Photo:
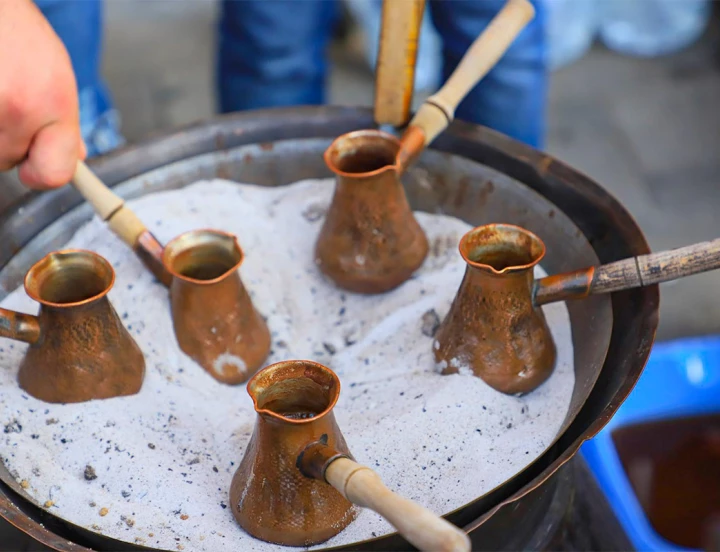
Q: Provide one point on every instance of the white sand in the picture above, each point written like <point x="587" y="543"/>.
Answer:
<point x="164" y="458"/>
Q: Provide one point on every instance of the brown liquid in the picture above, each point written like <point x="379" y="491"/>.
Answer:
<point x="674" y="468"/>
<point x="500" y="259"/>
<point x="365" y="160"/>
<point x="298" y="415"/>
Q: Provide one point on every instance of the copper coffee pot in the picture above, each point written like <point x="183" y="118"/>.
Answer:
<point x="297" y="482"/>
<point x="370" y="241"/>
<point x="495" y="325"/>
<point x="79" y="349"/>
<point x="215" y="321"/>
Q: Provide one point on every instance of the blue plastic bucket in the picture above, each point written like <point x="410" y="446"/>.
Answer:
<point x="682" y="378"/>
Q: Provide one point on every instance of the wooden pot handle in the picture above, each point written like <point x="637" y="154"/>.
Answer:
<point x="635" y="272"/>
<point x="110" y="207"/>
<point x="439" y="109"/>
<point x="397" y="57"/>
<point x="420" y="527"/>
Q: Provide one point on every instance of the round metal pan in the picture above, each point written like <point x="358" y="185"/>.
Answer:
<point x="472" y="173"/>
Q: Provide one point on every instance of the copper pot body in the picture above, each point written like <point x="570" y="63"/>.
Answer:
<point x="215" y="321"/>
<point x="493" y="326"/>
<point x="370" y="241"/>
<point x="271" y="498"/>
<point x="79" y="349"/>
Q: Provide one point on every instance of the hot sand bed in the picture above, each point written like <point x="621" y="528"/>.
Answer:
<point x="155" y="468"/>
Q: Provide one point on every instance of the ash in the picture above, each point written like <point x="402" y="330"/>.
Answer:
<point x="162" y="461"/>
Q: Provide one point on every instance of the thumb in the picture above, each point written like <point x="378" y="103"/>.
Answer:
<point x="52" y="157"/>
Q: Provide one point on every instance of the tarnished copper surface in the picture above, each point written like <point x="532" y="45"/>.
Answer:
<point x="79" y="350"/>
<point x="493" y="325"/>
<point x="215" y="321"/>
<point x="460" y="175"/>
<point x="150" y="252"/>
<point x="559" y="287"/>
<point x="370" y="241"/>
<point x="270" y="497"/>
<point x="412" y="144"/>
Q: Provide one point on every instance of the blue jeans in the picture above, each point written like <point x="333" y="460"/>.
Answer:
<point x="78" y="23"/>
<point x="272" y="53"/>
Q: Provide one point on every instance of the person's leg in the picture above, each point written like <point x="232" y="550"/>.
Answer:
<point x="511" y="98"/>
<point x="78" y="23"/>
<point x="272" y="53"/>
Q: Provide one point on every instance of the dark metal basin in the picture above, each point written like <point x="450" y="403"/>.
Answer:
<point x="472" y="173"/>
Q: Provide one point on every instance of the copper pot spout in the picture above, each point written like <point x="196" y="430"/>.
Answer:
<point x="370" y="241"/>
<point x="297" y="482"/>
<point x="78" y="348"/>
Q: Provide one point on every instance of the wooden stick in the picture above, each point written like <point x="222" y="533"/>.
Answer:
<point x="438" y="110"/>
<point x="423" y="529"/>
<point x="631" y="273"/>
<point x="397" y="58"/>
<point x="656" y="268"/>
<point x="110" y="207"/>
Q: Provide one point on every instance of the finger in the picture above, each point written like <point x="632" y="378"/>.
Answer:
<point x="8" y="162"/>
<point x="52" y="157"/>
<point x="13" y="150"/>
<point x="83" y="150"/>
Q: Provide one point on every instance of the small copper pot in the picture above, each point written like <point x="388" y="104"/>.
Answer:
<point x="370" y="241"/>
<point x="493" y="325"/>
<point x="213" y="315"/>
<point x="79" y="350"/>
<point x="297" y="483"/>
<point x="271" y="498"/>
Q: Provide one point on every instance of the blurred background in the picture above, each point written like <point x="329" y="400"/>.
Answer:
<point x="633" y="104"/>
<point x="645" y="127"/>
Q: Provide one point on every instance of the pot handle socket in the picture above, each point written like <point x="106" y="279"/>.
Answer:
<point x="438" y="110"/>
<point x="19" y="326"/>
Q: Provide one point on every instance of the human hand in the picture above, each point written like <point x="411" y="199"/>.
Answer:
<point x="39" y="113"/>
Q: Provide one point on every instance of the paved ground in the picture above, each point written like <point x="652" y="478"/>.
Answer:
<point x="649" y="131"/>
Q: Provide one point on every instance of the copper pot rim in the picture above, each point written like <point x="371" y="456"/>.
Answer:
<point x="279" y="366"/>
<point x="62" y="252"/>
<point x="175" y="274"/>
<point x="508" y="269"/>
<point x="376" y="133"/>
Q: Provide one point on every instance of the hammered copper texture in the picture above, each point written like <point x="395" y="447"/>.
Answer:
<point x="83" y="351"/>
<point x="270" y="498"/>
<point x="370" y="241"/>
<point x="215" y="321"/>
<point x="460" y="176"/>
<point x="493" y="325"/>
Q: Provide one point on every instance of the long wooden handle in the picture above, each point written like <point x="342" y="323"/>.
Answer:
<point x="656" y="268"/>
<point x="423" y="529"/>
<point x="397" y="59"/>
<point x="439" y="109"/>
<point x="20" y="326"/>
<point x="631" y="273"/>
<point x="110" y="207"/>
